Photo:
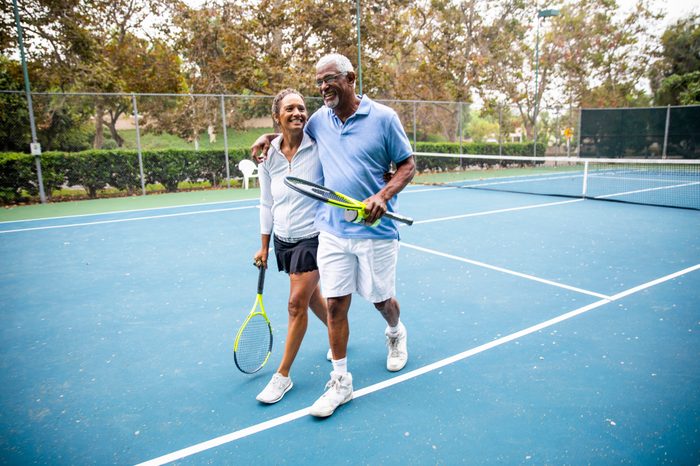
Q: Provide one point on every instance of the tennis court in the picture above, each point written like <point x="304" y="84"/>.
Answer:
<point x="542" y="330"/>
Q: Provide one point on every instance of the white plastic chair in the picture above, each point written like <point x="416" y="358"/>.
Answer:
<point x="249" y="170"/>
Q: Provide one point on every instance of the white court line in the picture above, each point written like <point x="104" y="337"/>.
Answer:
<point x="150" y="217"/>
<point x="97" y="214"/>
<point x="257" y="428"/>
<point x="498" y="211"/>
<point x="507" y="271"/>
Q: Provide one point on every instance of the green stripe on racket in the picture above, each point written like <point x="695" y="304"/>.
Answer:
<point x="253" y="344"/>
<point x="354" y="209"/>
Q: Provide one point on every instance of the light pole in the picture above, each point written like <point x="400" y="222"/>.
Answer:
<point x="359" y="54"/>
<point x="540" y="14"/>
<point x="35" y="147"/>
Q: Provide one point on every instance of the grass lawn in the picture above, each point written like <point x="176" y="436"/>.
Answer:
<point x="236" y="138"/>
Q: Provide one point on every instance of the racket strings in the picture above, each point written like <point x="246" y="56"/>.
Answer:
<point x="254" y="344"/>
<point x="330" y="195"/>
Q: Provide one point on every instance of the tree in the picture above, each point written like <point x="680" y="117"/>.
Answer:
<point x="675" y="77"/>
<point x="602" y="55"/>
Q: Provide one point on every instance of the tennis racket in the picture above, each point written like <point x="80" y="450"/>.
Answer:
<point x="354" y="209"/>
<point x="253" y="344"/>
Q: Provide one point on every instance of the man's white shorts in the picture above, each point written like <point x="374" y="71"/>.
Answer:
<point x="365" y="266"/>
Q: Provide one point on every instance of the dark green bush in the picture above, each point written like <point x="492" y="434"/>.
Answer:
<point x="424" y="163"/>
<point x="95" y="170"/>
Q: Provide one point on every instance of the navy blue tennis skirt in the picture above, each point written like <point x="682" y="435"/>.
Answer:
<point x="296" y="257"/>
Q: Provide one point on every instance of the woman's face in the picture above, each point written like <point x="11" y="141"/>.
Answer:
<point x="292" y="116"/>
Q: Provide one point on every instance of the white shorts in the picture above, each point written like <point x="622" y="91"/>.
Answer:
<point x="365" y="266"/>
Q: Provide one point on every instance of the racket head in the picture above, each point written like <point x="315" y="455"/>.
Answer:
<point x="253" y="344"/>
<point x="323" y="194"/>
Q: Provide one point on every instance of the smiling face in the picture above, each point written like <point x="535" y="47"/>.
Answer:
<point x="292" y="113"/>
<point x="336" y="88"/>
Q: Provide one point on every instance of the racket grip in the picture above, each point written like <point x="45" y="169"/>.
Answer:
<point x="399" y="218"/>
<point x="261" y="279"/>
<point x="355" y="216"/>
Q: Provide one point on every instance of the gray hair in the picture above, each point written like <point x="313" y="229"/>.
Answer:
<point x="340" y="61"/>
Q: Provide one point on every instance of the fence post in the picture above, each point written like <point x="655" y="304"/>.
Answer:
<point x="415" y="146"/>
<point x="138" y="142"/>
<point x="500" y="129"/>
<point x="223" y="122"/>
<point x="668" y="121"/>
<point x="580" y="138"/>
<point x="459" y="127"/>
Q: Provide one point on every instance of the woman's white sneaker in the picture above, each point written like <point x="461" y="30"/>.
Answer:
<point x="275" y="389"/>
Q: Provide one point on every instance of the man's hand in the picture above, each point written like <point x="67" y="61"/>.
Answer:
<point x="375" y="208"/>
<point x="258" y="151"/>
<point x="397" y="180"/>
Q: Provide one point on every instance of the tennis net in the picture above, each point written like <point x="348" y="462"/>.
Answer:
<point x="661" y="182"/>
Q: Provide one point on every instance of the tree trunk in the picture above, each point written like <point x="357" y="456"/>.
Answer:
<point x="98" y="141"/>
<point x="115" y="135"/>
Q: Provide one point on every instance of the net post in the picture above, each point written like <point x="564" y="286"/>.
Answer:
<point x="225" y="130"/>
<point x="585" y="179"/>
<point x="138" y="142"/>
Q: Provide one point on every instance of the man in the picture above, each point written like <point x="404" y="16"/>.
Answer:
<point x="357" y="140"/>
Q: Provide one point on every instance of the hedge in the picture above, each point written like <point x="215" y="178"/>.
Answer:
<point x="427" y="163"/>
<point x="95" y="170"/>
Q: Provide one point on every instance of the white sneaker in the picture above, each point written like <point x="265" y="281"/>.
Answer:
<point x="338" y="392"/>
<point x="275" y="389"/>
<point x="329" y="355"/>
<point x="398" y="349"/>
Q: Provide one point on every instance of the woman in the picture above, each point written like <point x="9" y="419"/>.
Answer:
<point x="291" y="216"/>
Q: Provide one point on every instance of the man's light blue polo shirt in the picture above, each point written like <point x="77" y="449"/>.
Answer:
<point x="354" y="156"/>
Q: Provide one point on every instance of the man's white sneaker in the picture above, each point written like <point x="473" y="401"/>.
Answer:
<point x="398" y="349"/>
<point x="338" y="392"/>
<point x="275" y="389"/>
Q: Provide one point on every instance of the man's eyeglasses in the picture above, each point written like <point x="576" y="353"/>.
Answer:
<point x="329" y="79"/>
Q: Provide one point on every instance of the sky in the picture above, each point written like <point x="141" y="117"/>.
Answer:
<point x="674" y="9"/>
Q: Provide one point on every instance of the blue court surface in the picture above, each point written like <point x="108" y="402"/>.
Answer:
<point x="541" y="330"/>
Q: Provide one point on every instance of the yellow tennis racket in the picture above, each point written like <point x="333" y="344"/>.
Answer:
<point x="354" y="209"/>
<point x="253" y="344"/>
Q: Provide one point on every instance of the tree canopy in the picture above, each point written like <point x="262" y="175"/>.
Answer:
<point x="591" y="54"/>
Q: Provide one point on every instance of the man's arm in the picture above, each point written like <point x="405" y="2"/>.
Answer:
<point x="376" y="204"/>
<point x="258" y="151"/>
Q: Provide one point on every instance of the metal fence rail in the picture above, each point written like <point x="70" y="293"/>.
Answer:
<point x="78" y="121"/>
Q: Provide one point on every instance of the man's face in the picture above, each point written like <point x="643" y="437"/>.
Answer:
<point x="335" y="87"/>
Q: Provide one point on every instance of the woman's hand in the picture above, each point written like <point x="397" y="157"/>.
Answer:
<point x="260" y="258"/>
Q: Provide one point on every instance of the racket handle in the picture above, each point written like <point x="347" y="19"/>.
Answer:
<point x="354" y="216"/>
<point x="399" y="218"/>
<point x="261" y="279"/>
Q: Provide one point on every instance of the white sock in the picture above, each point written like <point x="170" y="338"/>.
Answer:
<point x="394" y="331"/>
<point x="340" y="366"/>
